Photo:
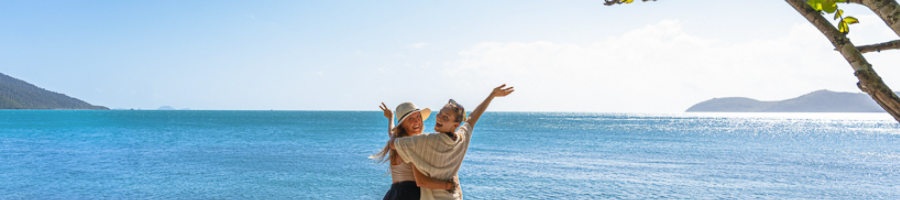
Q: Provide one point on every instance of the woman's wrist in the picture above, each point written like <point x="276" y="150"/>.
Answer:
<point x="451" y="185"/>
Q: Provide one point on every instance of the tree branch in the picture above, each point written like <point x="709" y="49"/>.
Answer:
<point x="879" y="47"/>
<point x="887" y="10"/>
<point x="838" y="39"/>
<point x="869" y="81"/>
<point x="614" y="2"/>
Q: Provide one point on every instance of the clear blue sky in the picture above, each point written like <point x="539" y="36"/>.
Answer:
<point x="351" y="55"/>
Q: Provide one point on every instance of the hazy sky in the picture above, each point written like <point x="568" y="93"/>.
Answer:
<point x="659" y="56"/>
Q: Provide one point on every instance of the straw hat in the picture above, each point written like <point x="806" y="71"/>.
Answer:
<point x="406" y="109"/>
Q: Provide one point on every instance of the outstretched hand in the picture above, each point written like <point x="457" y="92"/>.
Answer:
<point x="387" y="112"/>
<point x="497" y="92"/>
<point x="502" y="92"/>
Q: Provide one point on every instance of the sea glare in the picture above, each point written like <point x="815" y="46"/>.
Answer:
<point x="123" y="154"/>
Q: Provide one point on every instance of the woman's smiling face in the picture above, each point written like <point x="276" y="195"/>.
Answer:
<point x="445" y="121"/>
<point x="413" y="124"/>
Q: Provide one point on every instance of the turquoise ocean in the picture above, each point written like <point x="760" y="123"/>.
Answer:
<point x="123" y="154"/>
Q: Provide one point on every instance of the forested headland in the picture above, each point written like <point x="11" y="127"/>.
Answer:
<point x="818" y="101"/>
<point x="18" y="94"/>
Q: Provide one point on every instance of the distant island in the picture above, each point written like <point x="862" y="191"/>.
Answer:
<point x="171" y="108"/>
<point x="18" y="94"/>
<point x="818" y="101"/>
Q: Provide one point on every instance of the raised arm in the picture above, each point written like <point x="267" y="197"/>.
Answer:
<point x="497" y="92"/>
<point x="390" y="115"/>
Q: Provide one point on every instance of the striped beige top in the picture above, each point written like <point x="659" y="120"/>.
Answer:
<point x="436" y="156"/>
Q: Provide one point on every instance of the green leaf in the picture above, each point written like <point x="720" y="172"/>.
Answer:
<point x="850" y="20"/>
<point x="840" y="1"/>
<point x="838" y="14"/>
<point x="815" y="4"/>
<point x="829" y="6"/>
<point x="843" y="28"/>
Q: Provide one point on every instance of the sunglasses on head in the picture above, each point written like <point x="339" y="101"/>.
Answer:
<point x="458" y="108"/>
<point x="455" y="106"/>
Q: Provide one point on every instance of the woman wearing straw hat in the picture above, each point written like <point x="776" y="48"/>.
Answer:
<point x="406" y="179"/>
<point x="439" y="155"/>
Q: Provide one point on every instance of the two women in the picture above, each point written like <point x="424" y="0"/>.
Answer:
<point x="437" y="156"/>
<point x="406" y="179"/>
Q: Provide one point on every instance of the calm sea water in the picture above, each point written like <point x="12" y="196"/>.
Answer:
<point x="63" y="154"/>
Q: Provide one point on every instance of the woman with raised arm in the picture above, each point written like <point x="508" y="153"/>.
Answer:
<point x="439" y="155"/>
<point x="406" y="183"/>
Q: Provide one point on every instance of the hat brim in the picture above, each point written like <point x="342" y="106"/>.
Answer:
<point x="426" y="112"/>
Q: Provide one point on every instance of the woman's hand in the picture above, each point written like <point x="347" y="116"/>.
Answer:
<point x="390" y="115"/>
<point x="454" y="185"/>
<point x="387" y="112"/>
<point x="502" y="92"/>
<point x="497" y="92"/>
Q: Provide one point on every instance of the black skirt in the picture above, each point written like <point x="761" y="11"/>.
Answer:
<point x="403" y="191"/>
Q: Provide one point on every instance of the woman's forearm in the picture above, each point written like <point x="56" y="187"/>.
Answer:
<point x="497" y="92"/>
<point x="473" y="117"/>
<point x="390" y="126"/>
<point x="389" y="115"/>
<point x="428" y="182"/>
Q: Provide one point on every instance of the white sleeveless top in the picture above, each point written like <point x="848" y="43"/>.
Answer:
<point x="402" y="172"/>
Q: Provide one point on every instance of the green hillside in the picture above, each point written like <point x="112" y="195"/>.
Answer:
<point x="18" y="94"/>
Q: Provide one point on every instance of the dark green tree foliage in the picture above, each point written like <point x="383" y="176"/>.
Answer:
<point x="18" y="94"/>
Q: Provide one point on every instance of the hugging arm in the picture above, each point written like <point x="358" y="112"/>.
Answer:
<point x="497" y="92"/>
<point x="427" y="182"/>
